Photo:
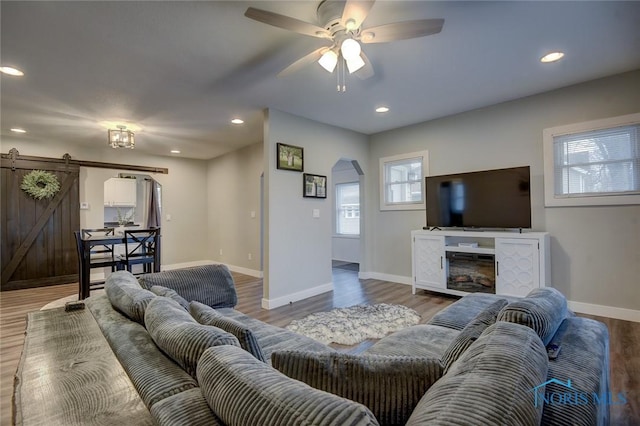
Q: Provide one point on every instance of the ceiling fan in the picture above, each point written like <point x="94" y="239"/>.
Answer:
<point x="340" y="23"/>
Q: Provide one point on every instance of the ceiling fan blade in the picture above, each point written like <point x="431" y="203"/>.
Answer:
<point x="401" y="30"/>
<point x="357" y="11"/>
<point x="303" y="62"/>
<point x="367" y="70"/>
<point x="286" y="22"/>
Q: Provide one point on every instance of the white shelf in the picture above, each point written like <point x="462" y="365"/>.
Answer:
<point x="478" y="250"/>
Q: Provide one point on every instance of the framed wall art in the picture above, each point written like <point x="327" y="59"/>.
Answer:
<point x="289" y="157"/>
<point x="314" y="186"/>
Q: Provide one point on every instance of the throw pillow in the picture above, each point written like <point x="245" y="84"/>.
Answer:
<point x="209" y="316"/>
<point x="542" y="310"/>
<point x="179" y="335"/>
<point x="126" y="295"/>
<point x="471" y="332"/>
<point x="171" y="294"/>
<point x="491" y="384"/>
<point x="243" y="391"/>
<point x="390" y="386"/>
<point x="209" y="284"/>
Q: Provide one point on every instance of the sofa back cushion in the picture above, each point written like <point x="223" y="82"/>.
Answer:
<point x="471" y="332"/>
<point x="244" y="391"/>
<point x="209" y="316"/>
<point x="209" y="284"/>
<point x="491" y="383"/>
<point x="179" y="335"/>
<point x="542" y="310"/>
<point x="390" y="386"/>
<point x="159" y="290"/>
<point x="127" y="296"/>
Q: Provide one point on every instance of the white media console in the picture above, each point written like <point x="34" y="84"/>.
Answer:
<point x="458" y="262"/>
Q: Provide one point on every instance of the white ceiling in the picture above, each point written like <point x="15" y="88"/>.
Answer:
<point x="181" y="70"/>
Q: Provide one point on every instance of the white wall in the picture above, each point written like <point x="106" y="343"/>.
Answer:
<point x="184" y="192"/>
<point x="298" y="246"/>
<point x="233" y="190"/>
<point x="595" y="251"/>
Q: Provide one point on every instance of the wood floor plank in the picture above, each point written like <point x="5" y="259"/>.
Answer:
<point x="348" y="291"/>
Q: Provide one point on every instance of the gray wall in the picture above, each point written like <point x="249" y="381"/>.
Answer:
<point x="595" y="251"/>
<point x="233" y="194"/>
<point x="298" y="246"/>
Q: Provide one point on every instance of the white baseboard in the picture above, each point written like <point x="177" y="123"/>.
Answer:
<point x="400" y="279"/>
<point x="294" y="297"/>
<point x="605" y="311"/>
<point x="580" y="307"/>
<point x="187" y="265"/>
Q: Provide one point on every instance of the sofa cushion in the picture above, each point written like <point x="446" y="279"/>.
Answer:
<point x="471" y="332"/>
<point x="272" y="338"/>
<point x="491" y="383"/>
<point x="542" y="310"/>
<point x="423" y="340"/>
<point x="243" y="391"/>
<point x="209" y="316"/>
<point x="154" y="375"/>
<point x="459" y="314"/>
<point x="584" y="360"/>
<point x="209" y="284"/>
<point x="159" y="290"/>
<point x="185" y="408"/>
<point x="179" y="335"/>
<point x="126" y="295"/>
<point x="359" y="378"/>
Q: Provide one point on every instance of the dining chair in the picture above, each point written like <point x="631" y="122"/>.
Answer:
<point x="102" y="255"/>
<point x="140" y="248"/>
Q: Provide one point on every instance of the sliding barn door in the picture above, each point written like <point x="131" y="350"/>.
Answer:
<point x="38" y="245"/>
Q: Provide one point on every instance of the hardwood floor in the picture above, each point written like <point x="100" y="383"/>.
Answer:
<point x="624" y="335"/>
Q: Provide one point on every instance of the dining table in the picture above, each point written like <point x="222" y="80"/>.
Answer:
<point x="85" y="265"/>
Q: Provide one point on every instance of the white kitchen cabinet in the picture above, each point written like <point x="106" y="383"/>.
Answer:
<point x="120" y="192"/>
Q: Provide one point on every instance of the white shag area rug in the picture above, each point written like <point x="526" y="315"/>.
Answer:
<point x="348" y="326"/>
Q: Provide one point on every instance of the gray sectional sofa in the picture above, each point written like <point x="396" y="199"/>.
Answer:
<point x="194" y="360"/>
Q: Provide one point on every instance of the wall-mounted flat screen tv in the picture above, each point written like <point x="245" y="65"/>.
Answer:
<point x="487" y="199"/>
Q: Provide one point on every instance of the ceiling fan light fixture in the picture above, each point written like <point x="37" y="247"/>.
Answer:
<point x="350" y="49"/>
<point x="329" y="60"/>
<point x="354" y="64"/>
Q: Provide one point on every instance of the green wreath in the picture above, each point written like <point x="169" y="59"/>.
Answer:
<point x="40" y="184"/>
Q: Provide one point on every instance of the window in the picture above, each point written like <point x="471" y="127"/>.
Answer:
<point x="593" y="163"/>
<point x="348" y="208"/>
<point x="402" y="181"/>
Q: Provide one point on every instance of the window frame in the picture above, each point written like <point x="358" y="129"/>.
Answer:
<point x="338" y="210"/>
<point x="412" y="205"/>
<point x="611" y="199"/>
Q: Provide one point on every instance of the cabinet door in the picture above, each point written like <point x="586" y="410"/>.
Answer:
<point x="517" y="266"/>
<point x="120" y="192"/>
<point x="429" y="261"/>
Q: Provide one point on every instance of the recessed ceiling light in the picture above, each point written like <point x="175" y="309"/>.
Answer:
<point x="237" y="121"/>
<point x="11" y="71"/>
<point x="175" y="151"/>
<point x="552" y="57"/>
<point x="18" y="130"/>
<point x="382" y="109"/>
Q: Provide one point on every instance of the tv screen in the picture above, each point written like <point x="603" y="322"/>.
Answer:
<point x="486" y="199"/>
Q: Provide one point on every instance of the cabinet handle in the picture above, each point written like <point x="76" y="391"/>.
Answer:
<point x="498" y="268"/>
<point x="441" y="263"/>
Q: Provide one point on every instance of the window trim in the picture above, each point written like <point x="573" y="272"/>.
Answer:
<point x="425" y="172"/>
<point x="337" y="210"/>
<point x="550" y="199"/>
